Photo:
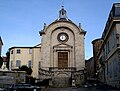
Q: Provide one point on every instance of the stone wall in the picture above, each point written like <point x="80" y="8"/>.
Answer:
<point x="8" y="78"/>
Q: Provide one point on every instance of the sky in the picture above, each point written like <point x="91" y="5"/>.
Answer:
<point x="21" y="20"/>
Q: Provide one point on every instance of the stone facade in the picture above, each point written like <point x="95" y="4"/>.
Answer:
<point x="96" y="48"/>
<point x="89" y="64"/>
<point x="62" y="52"/>
<point x="50" y="45"/>
<point x="8" y="78"/>
<point x="109" y="53"/>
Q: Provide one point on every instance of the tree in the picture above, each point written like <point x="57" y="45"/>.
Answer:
<point x="29" y="79"/>
<point x="7" y="59"/>
<point x="1" y="61"/>
<point x="27" y="69"/>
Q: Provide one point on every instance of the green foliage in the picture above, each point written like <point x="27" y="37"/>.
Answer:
<point x="1" y="61"/>
<point x="25" y="68"/>
<point x="7" y="59"/>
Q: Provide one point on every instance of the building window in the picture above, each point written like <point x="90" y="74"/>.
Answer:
<point x="39" y="65"/>
<point x="110" y="70"/>
<point x="18" y="63"/>
<point x="18" y="51"/>
<point x="115" y="68"/>
<point x="30" y="51"/>
<point x="30" y="64"/>
<point x="11" y="51"/>
<point x="113" y="38"/>
<point x="107" y="47"/>
<point x="11" y="64"/>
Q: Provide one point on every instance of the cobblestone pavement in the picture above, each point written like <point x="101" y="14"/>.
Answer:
<point x="75" y="89"/>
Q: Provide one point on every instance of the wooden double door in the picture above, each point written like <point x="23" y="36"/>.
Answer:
<point x="62" y="59"/>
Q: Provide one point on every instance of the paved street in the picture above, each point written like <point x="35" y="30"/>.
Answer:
<point x="77" y="89"/>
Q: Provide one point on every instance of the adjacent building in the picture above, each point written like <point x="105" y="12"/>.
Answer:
<point x="4" y="64"/>
<point x="89" y="64"/>
<point x="109" y="53"/>
<point x="96" y="48"/>
<point x="29" y="56"/>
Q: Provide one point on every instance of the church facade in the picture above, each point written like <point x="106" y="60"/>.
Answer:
<point x="62" y="52"/>
<point x="60" y="58"/>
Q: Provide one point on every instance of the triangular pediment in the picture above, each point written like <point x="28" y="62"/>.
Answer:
<point x="62" y="45"/>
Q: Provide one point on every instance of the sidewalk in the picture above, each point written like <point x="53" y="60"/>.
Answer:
<point x="63" y="89"/>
